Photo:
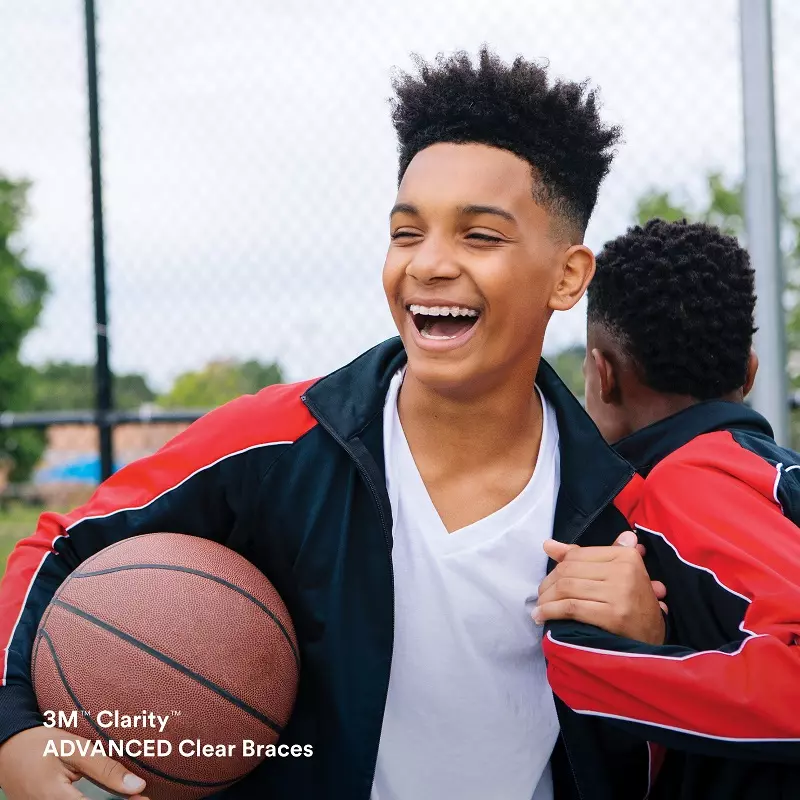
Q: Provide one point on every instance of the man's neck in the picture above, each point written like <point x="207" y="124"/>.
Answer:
<point x="657" y="406"/>
<point x="466" y="433"/>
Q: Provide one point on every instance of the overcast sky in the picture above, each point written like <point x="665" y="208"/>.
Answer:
<point x="250" y="162"/>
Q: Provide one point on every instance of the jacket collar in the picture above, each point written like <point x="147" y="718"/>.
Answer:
<point x="592" y="473"/>
<point x="348" y="399"/>
<point x="646" y="447"/>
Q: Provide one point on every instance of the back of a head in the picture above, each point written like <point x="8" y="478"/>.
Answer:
<point x="680" y="298"/>
<point x="555" y="126"/>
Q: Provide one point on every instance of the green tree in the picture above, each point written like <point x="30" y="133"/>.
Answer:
<point x="22" y="294"/>
<point x="62" y="385"/>
<point x="723" y="206"/>
<point x="219" y="382"/>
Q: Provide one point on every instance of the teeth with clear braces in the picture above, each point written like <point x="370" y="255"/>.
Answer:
<point x="443" y="311"/>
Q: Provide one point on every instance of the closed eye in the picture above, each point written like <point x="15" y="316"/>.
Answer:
<point x="404" y="235"/>
<point x="484" y="237"/>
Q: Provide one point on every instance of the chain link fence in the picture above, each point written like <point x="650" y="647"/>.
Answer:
<point x="249" y="164"/>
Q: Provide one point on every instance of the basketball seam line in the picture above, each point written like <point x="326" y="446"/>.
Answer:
<point x="88" y="717"/>
<point x="45" y="616"/>
<point x="261" y="717"/>
<point x="190" y="570"/>
<point x="99" y="553"/>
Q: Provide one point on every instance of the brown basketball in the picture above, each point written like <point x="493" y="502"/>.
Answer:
<point x="175" y="626"/>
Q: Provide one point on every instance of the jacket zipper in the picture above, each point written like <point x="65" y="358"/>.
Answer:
<point x="571" y="768"/>
<point x="387" y="538"/>
<point x="589" y="520"/>
<point x="386" y="533"/>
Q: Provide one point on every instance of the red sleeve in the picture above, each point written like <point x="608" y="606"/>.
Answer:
<point x="715" y="505"/>
<point x="197" y="484"/>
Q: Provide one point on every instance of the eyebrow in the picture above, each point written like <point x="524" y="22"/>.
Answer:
<point x="404" y="208"/>
<point x="471" y="210"/>
<point x="495" y="210"/>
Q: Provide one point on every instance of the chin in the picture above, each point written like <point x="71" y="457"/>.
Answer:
<point x="443" y="375"/>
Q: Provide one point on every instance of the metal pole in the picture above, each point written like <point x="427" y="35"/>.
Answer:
<point x="104" y="398"/>
<point x="762" y="213"/>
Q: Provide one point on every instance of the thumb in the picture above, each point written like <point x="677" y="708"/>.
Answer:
<point x="557" y="550"/>
<point x="107" y="773"/>
<point x="627" y="539"/>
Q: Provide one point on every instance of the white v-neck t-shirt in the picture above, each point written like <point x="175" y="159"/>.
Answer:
<point x="469" y="713"/>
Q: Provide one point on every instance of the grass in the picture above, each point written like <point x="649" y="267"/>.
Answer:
<point x="16" y="522"/>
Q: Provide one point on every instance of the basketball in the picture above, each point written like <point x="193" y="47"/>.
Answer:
<point x="173" y="655"/>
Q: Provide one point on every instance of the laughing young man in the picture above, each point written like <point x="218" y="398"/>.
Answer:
<point x="400" y="504"/>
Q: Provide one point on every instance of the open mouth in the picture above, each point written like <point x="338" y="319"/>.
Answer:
<point x="443" y="322"/>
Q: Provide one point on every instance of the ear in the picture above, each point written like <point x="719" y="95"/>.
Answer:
<point x="577" y="271"/>
<point x="752" y="369"/>
<point x="609" y="387"/>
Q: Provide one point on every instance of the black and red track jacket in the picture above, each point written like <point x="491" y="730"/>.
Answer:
<point x="293" y="479"/>
<point x="717" y="504"/>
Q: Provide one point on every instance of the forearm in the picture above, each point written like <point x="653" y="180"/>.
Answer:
<point x="737" y="702"/>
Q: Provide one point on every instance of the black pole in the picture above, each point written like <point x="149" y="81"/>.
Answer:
<point x="104" y="401"/>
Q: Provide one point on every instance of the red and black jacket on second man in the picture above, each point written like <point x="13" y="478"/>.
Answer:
<point x="717" y="505"/>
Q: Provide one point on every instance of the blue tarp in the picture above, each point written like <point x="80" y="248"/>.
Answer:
<point x="84" y="469"/>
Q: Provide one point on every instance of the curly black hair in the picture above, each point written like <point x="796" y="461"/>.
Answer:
<point x="556" y="128"/>
<point x="680" y="298"/>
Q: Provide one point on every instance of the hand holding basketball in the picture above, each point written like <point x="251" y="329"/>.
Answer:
<point x="25" y="774"/>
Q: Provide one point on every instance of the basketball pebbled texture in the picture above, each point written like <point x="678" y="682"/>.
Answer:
<point x="171" y="623"/>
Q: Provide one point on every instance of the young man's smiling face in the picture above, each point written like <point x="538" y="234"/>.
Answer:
<point x="475" y="267"/>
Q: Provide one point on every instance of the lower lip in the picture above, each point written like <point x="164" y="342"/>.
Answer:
<point x="440" y="345"/>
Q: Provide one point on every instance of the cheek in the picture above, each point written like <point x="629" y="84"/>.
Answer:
<point x="524" y="318"/>
<point x="520" y="292"/>
<point x="601" y="416"/>
<point x="591" y="402"/>
<point x="530" y="284"/>
<point x="606" y="417"/>
<point x="589" y="381"/>
<point x="595" y="407"/>
<point x="392" y="275"/>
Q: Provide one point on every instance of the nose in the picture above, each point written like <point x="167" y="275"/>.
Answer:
<point x="433" y="260"/>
